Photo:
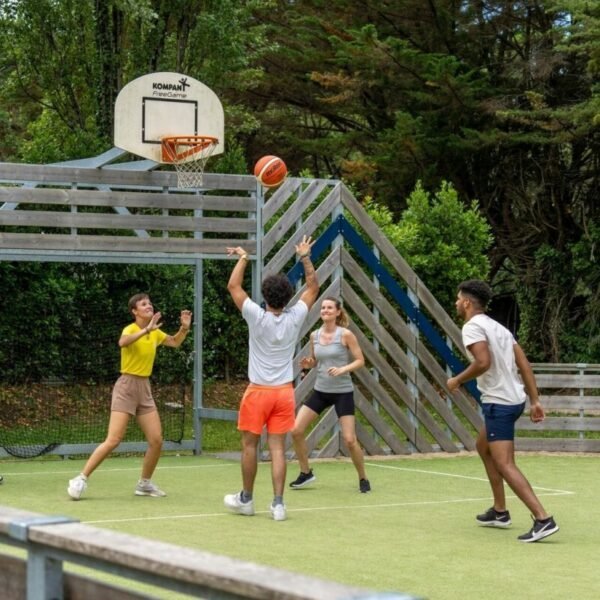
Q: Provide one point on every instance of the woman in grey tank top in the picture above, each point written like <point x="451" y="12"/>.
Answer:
<point x="335" y="353"/>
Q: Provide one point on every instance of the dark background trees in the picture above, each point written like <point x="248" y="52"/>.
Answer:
<point x="498" y="98"/>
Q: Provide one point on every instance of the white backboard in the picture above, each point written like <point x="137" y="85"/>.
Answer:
<point x="165" y="104"/>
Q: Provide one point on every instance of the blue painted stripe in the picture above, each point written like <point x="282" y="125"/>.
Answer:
<point x="351" y="236"/>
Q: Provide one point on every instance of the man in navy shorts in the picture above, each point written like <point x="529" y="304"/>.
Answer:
<point x="495" y="358"/>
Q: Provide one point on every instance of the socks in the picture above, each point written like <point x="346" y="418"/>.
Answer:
<point x="277" y="500"/>
<point x="245" y="496"/>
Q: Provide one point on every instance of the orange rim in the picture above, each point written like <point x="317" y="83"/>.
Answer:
<point x="176" y="148"/>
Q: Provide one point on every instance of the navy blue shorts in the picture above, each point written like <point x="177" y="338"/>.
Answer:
<point x="500" y="420"/>
<point x="343" y="402"/>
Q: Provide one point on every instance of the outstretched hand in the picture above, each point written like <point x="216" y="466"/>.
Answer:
<point x="238" y="250"/>
<point x="303" y="248"/>
<point x="186" y="319"/>
<point x="154" y="322"/>
<point x="307" y="362"/>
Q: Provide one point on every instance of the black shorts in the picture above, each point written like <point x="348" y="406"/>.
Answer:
<point x="343" y="402"/>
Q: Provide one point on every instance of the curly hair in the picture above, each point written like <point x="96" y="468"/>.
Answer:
<point x="277" y="290"/>
<point x="477" y="290"/>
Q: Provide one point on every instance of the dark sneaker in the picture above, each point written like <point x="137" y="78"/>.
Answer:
<point x="539" y="531"/>
<point x="364" y="486"/>
<point x="493" y="518"/>
<point x="303" y="479"/>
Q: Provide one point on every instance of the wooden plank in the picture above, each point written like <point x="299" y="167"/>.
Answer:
<point x="560" y="424"/>
<point x="326" y="423"/>
<point x="365" y="439"/>
<point x="381" y="427"/>
<point x="574" y="367"/>
<point x="397" y="384"/>
<point x="126" y="199"/>
<point x="557" y="444"/>
<point x="461" y="399"/>
<point x="331" y="449"/>
<point x="573" y="403"/>
<point x="49" y="174"/>
<point x="409" y="369"/>
<point x="220" y="575"/>
<point x="108" y="244"/>
<point x="402" y="267"/>
<point x="13" y="583"/>
<point x="279" y="197"/>
<point x="310" y="225"/>
<point x="558" y="380"/>
<point x="41" y="218"/>
<point x="292" y="215"/>
<point x="389" y="404"/>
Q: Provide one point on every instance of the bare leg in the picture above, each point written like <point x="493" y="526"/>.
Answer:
<point x="150" y="424"/>
<point x="249" y="459"/>
<point x="304" y="418"/>
<point x="117" y="426"/>
<point x="503" y="455"/>
<point x="348" y="426"/>
<point x="494" y="476"/>
<point x="278" y="463"/>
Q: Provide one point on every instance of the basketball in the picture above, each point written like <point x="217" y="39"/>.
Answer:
<point x="270" y="171"/>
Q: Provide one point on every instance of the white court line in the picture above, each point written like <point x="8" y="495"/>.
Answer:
<point x="70" y="471"/>
<point x="226" y="513"/>
<point x="555" y="492"/>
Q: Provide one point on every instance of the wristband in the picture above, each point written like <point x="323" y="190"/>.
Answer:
<point x="244" y="257"/>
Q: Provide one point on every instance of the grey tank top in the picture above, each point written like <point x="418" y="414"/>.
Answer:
<point x="334" y="354"/>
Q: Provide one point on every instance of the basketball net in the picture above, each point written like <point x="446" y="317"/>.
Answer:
<point x="189" y="154"/>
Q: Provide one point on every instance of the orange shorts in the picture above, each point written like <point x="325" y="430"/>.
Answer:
<point x="273" y="406"/>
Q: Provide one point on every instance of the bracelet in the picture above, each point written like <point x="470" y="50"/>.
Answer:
<point x="301" y="256"/>
<point x="244" y="257"/>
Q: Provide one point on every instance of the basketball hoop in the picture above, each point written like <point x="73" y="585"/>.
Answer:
<point x="189" y="154"/>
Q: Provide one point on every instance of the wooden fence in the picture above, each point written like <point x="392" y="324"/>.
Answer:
<point x="52" y="541"/>
<point x="570" y="394"/>
<point x="410" y="342"/>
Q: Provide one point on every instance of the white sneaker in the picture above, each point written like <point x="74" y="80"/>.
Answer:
<point x="278" y="512"/>
<point x="77" y="486"/>
<point x="145" y="487"/>
<point x="234" y="503"/>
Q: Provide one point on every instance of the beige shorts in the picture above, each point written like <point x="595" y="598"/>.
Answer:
<point x="132" y="395"/>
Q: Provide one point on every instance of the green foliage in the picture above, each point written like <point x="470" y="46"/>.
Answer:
<point x="444" y="240"/>
<point x="75" y="314"/>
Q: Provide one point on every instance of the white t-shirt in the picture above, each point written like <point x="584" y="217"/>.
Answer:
<point x="501" y="383"/>
<point x="273" y="340"/>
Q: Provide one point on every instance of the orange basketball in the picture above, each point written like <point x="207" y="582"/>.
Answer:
<point x="270" y="171"/>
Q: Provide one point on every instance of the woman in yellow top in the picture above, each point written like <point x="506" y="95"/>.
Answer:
<point x="132" y="395"/>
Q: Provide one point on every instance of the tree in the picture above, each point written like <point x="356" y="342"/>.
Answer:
<point x="443" y="240"/>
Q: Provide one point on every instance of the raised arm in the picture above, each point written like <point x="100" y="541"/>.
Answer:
<point x="309" y="295"/>
<point x="174" y="341"/>
<point x="234" y="286"/>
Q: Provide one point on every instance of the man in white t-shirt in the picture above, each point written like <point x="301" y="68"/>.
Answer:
<point x="496" y="360"/>
<point x="269" y="399"/>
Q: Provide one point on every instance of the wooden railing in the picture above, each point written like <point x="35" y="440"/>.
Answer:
<point x="51" y="541"/>
<point x="570" y="394"/>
